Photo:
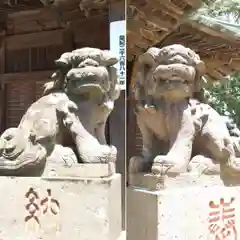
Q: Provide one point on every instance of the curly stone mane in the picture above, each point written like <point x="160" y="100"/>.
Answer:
<point x="71" y="61"/>
<point x="169" y="58"/>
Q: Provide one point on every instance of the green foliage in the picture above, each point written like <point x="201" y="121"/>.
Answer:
<point x="223" y="8"/>
<point x="225" y="97"/>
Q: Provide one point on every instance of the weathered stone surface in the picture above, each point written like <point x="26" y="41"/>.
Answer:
<point x="154" y="182"/>
<point x="67" y="124"/>
<point x="180" y="132"/>
<point x="180" y="211"/>
<point x="89" y="208"/>
<point x="122" y="236"/>
<point x="96" y="170"/>
<point x="189" y="158"/>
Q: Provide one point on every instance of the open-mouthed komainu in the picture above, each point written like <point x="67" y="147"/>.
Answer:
<point x="75" y="106"/>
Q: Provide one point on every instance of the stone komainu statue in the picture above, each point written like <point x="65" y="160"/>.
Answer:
<point x="75" y="106"/>
<point x="179" y="132"/>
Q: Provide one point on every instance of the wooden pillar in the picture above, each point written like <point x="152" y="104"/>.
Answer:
<point x="131" y="118"/>
<point x="117" y="121"/>
<point x="2" y="85"/>
<point x="117" y="118"/>
<point x="67" y="40"/>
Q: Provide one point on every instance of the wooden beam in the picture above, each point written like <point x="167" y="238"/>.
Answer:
<point x="215" y="74"/>
<point x="117" y="119"/>
<point x="73" y="15"/>
<point x="68" y="40"/>
<point x="2" y="52"/>
<point x="212" y="32"/>
<point x="24" y="13"/>
<point x="36" y="39"/>
<point x="97" y="32"/>
<point x="194" y="3"/>
<point x="134" y="37"/>
<point x="2" y="91"/>
<point x="167" y="7"/>
<point x="134" y="52"/>
<point x="34" y="76"/>
<point x="148" y="11"/>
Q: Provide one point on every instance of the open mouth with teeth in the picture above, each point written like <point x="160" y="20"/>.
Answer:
<point x="92" y="80"/>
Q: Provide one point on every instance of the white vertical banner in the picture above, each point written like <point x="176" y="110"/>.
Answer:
<point x="118" y="47"/>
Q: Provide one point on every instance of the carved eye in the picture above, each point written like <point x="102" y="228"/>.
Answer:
<point x="88" y="62"/>
<point x="96" y="56"/>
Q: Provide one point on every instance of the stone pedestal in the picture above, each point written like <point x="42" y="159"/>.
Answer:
<point x="186" y="209"/>
<point x="63" y="207"/>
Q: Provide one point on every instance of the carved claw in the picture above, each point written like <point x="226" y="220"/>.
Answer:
<point x="109" y="154"/>
<point x="68" y="122"/>
<point x="66" y="107"/>
<point x="161" y="169"/>
<point x="203" y="165"/>
<point x="164" y="164"/>
<point x="233" y="167"/>
<point x="150" y="109"/>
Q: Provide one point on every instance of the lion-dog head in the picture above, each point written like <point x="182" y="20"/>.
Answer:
<point x="86" y="71"/>
<point x="172" y="73"/>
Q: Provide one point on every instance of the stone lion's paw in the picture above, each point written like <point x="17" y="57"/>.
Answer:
<point x="233" y="166"/>
<point x="109" y="153"/>
<point x="161" y="164"/>
<point x="62" y="107"/>
<point x="72" y="106"/>
<point x="2" y="144"/>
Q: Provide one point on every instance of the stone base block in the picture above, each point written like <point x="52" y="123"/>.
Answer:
<point x="154" y="182"/>
<point x="188" y="208"/>
<point x="63" y="208"/>
<point x="86" y="170"/>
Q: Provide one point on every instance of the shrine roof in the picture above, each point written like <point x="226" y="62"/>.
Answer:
<point x="160" y="24"/>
